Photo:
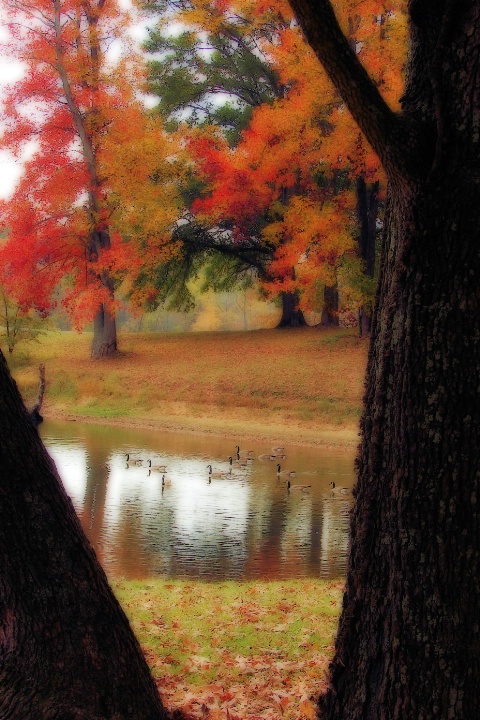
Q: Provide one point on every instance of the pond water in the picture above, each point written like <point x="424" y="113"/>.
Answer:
<point x="242" y="526"/>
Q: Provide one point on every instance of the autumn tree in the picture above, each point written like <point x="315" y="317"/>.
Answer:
<point x="69" y="220"/>
<point x="190" y="70"/>
<point x="377" y="35"/>
<point x="408" y="641"/>
<point x="288" y="122"/>
<point x="219" y="53"/>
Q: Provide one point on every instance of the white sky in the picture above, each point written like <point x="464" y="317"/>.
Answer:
<point x="10" y="170"/>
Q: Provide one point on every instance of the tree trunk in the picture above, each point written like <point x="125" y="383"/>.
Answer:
<point x="292" y="316"/>
<point x="35" y="415"/>
<point x="367" y="211"/>
<point x="414" y="565"/>
<point x="66" y="648"/>
<point x="104" y="343"/>
<point x="330" y="307"/>
<point x="408" y="644"/>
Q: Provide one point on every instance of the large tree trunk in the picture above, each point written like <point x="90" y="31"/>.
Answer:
<point x="408" y="645"/>
<point x="330" y="307"/>
<point x="104" y="343"/>
<point x="414" y="565"/>
<point x="367" y="211"/>
<point x="292" y="316"/>
<point x="66" y="648"/>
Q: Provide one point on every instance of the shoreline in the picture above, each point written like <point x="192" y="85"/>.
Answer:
<point x="255" y="430"/>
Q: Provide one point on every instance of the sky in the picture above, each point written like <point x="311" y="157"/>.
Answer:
<point x="10" y="170"/>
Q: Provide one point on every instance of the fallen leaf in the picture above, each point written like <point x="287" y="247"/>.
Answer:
<point x="307" y="710"/>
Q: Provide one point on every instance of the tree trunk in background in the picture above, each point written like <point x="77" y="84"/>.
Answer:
<point x="66" y="647"/>
<point x="292" y="316"/>
<point x="330" y="307"/>
<point x="104" y="343"/>
<point x="367" y="211"/>
<point x="408" y="644"/>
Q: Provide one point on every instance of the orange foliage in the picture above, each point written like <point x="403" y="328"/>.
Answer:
<point x="281" y="183"/>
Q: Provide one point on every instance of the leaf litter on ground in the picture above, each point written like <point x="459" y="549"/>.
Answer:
<point x="236" y="650"/>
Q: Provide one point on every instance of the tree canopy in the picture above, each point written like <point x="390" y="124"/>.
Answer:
<point x="300" y="155"/>
<point x="80" y="220"/>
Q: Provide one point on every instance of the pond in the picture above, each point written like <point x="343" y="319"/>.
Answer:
<point x="244" y="525"/>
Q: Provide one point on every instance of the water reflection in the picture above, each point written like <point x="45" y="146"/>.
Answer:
<point x="243" y="525"/>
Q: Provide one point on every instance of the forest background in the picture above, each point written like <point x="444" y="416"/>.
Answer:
<point x="199" y="183"/>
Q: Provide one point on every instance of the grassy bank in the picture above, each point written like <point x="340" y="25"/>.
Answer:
<point x="235" y="650"/>
<point x="305" y="383"/>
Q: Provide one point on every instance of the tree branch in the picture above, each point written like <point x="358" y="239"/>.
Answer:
<point x="377" y="121"/>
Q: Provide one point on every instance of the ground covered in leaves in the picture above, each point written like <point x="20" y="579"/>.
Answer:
<point x="233" y="650"/>
<point x="303" y="384"/>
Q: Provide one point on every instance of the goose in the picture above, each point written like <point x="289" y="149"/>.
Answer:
<point x="165" y="482"/>
<point x="243" y="453"/>
<point x="243" y="462"/>
<point x="239" y="462"/>
<point x="132" y="461"/>
<point x="339" y="490"/>
<point x="278" y="450"/>
<point x="216" y="473"/>
<point x="157" y="468"/>
<point x="303" y="488"/>
<point x="266" y="456"/>
<point x="283" y="473"/>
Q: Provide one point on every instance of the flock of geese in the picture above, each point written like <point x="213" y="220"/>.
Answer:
<point x="242" y="459"/>
<point x="138" y="462"/>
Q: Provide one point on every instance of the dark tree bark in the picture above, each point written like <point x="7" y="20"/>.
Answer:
<point x="367" y="212"/>
<point x="408" y="645"/>
<point x="292" y="316"/>
<point x="66" y="648"/>
<point x="35" y="415"/>
<point x="330" y="307"/>
<point x="104" y="343"/>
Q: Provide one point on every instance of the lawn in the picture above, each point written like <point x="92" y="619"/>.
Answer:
<point x="306" y="383"/>
<point x="236" y="650"/>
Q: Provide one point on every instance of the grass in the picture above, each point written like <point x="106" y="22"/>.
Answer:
<point x="235" y="650"/>
<point x="294" y="381"/>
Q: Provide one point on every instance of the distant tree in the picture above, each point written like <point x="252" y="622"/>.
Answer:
<point x="18" y="324"/>
<point x="408" y="644"/>
<point x="221" y="54"/>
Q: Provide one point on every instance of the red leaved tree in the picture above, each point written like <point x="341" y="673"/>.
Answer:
<point x="80" y="220"/>
<point x="300" y="156"/>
